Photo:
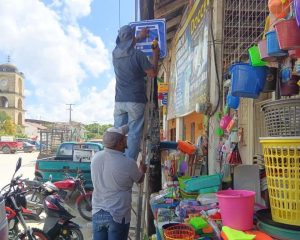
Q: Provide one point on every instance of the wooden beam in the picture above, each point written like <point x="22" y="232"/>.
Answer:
<point x="174" y="21"/>
<point x="170" y="35"/>
<point x="170" y="8"/>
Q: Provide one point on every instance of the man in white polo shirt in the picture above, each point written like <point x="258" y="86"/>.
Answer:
<point x="113" y="175"/>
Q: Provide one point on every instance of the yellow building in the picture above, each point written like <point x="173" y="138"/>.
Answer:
<point x="12" y="93"/>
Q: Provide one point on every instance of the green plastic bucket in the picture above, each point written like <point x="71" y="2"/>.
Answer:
<point x="255" y="57"/>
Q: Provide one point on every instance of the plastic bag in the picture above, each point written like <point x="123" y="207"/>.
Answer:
<point x="225" y="171"/>
<point x="226" y="146"/>
<point x="207" y="198"/>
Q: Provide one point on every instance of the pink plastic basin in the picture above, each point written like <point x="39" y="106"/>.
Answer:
<point x="237" y="208"/>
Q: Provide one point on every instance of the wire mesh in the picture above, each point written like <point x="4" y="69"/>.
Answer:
<point x="244" y="24"/>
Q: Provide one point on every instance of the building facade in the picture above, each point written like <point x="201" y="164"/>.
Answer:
<point x="12" y="93"/>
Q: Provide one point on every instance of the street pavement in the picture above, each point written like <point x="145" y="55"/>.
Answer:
<point x="7" y="167"/>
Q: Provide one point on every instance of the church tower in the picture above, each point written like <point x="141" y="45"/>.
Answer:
<point x="12" y="93"/>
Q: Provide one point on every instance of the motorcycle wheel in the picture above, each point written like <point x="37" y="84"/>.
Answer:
<point x="75" y="234"/>
<point x="38" y="198"/>
<point x="84" y="209"/>
<point x="38" y="234"/>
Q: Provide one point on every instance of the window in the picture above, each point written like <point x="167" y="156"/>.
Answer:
<point x="193" y="132"/>
<point x="20" y="119"/>
<point x="4" y="102"/>
<point x="173" y="135"/>
<point x="20" y="86"/>
<point x="67" y="149"/>
<point x="20" y="105"/>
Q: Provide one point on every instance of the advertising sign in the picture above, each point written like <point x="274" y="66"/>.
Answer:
<point x="163" y="87"/>
<point x="188" y="73"/>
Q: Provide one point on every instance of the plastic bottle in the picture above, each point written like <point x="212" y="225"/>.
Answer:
<point x="217" y="233"/>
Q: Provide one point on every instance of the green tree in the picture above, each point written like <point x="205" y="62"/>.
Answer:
<point x="7" y="127"/>
<point x="96" y="130"/>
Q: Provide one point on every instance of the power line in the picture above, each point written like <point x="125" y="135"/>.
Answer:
<point x="119" y="13"/>
<point x="70" y="109"/>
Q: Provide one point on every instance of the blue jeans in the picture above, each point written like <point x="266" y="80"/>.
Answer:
<point x="105" y="228"/>
<point x="132" y="114"/>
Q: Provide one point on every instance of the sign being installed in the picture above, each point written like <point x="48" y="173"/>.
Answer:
<point x="157" y="29"/>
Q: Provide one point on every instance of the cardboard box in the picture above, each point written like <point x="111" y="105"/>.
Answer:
<point x="85" y="155"/>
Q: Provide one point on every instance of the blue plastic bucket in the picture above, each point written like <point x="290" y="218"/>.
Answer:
<point x="247" y="81"/>
<point x="233" y="102"/>
<point x="273" y="45"/>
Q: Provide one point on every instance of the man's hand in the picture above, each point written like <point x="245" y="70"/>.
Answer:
<point x="143" y="167"/>
<point x="156" y="51"/>
<point x="144" y="33"/>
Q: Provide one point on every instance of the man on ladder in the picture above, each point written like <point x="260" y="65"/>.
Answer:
<point x="131" y="67"/>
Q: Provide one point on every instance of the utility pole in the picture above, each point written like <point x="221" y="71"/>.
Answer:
<point x="70" y="109"/>
<point x="98" y="127"/>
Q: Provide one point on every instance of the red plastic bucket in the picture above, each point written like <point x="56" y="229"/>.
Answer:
<point x="288" y="34"/>
<point x="294" y="54"/>
<point x="263" y="51"/>
<point x="290" y="88"/>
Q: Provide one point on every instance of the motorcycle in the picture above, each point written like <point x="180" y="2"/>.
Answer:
<point x="84" y="201"/>
<point x="15" y="206"/>
<point x="58" y="214"/>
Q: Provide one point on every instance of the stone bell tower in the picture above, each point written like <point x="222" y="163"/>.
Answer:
<point x="12" y="93"/>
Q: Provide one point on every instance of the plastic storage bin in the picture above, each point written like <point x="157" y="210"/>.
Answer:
<point x="247" y="81"/>
<point x="181" y="179"/>
<point x="195" y="184"/>
<point x="186" y="147"/>
<point x="273" y="45"/>
<point x="282" y="162"/>
<point x="237" y="208"/>
<point x="188" y="195"/>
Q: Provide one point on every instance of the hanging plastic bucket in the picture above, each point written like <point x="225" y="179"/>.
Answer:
<point x="255" y="57"/>
<point x="288" y="34"/>
<point x="233" y="102"/>
<point x="263" y="51"/>
<point x="271" y="80"/>
<point x="297" y="11"/>
<point x="279" y="9"/>
<point x="294" y="54"/>
<point x="290" y="88"/>
<point x="247" y="81"/>
<point x="273" y="45"/>
<point x="237" y="208"/>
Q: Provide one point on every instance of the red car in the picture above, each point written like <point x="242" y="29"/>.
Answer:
<point x="10" y="147"/>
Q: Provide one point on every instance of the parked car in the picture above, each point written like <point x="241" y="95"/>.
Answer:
<point x="3" y="220"/>
<point x="10" y="147"/>
<point x="37" y="144"/>
<point x="63" y="162"/>
<point x="28" y="148"/>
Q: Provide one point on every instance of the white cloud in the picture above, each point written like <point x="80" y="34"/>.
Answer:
<point x="27" y="93"/>
<point x="56" y="55"/>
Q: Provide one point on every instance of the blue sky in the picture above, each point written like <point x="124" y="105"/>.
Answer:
<point x="64" y="49"/>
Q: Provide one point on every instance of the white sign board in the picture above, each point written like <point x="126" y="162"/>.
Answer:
<point x="85" y="155"/>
